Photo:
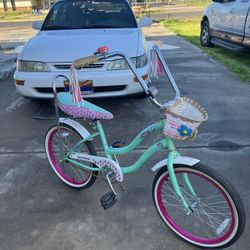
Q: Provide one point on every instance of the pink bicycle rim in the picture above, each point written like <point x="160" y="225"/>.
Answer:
<point x="54" y="162"/>
<point x="182" y="231"/>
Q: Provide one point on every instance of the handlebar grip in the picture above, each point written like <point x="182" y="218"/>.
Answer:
<point x="84" y="61"/>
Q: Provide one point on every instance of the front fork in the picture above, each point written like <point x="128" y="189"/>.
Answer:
<point x="171" y="157"/>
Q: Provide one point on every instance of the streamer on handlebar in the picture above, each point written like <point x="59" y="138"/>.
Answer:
<point x="78" y="64"/>
<point x="157" y="69"/>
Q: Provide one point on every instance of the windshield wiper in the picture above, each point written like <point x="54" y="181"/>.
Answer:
<point x="102" y="26"/>
<point x="57" y="28"/>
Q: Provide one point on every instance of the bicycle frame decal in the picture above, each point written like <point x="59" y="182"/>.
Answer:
<point x="136" y="142"/>
<point x="100" y="162"/>
<point x="148" y="132"/>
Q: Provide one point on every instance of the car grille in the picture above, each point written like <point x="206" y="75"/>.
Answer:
<point x="90" y="66"/>
<point x="96" y="89"/>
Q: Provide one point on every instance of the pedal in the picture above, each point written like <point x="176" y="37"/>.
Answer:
<point x="108" y="200"/>
<point x="118" y="144"/>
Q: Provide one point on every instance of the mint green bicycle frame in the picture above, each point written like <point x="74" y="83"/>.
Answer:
<point x="165" y="143"/>
<point x="110" y="152"/>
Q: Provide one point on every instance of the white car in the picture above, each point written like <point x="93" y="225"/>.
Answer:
<point x="226" y="23"/>
<point x="76" y="28"/>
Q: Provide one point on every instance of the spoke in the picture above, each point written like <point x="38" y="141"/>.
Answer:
<point x="222" y="207"/>
<point x="218" y="202"/>
<point x="210" y="217"/>
<point x="171" y="196"/>
<point x="74" y="170"/>
<point x="207" y="216"/>
<point x="172" y="205"/>
<point x="81" y="173"/>
<point x="184" y="192"/>
<point x="67" y="143"/>
<point x="217" y="220"/>
<point x="217" y="213"/>
<point x="203" y="224"/>
<point x="167" y="187"/>
<point x="212" y="226"/>
<point x="62" y="141"/>
<point x="211" y="196"/>
<point x="213" y="209"/>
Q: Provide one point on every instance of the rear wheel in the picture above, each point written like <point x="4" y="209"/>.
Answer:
<point x="218" y="216"/>
<point x="69" y="173"/>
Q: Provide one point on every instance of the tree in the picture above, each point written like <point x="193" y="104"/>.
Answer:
<point x="5" y="6"/>
<point x="13" y="4"/>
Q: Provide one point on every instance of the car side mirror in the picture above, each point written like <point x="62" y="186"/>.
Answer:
<point x="145" y="22"/>
<point x="37" y="25"/>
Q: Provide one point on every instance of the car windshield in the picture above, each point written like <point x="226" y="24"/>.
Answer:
<point x="90" y="14"/>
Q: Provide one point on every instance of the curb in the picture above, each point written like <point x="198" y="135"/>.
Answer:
<point x="10" y="46"/>
<point x="7" y="67"/>
<point x="8" y="58"/>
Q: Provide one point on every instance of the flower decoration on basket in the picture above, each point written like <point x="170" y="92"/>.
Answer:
<point x="185" y="131"/>
<point x="183" y="116"/>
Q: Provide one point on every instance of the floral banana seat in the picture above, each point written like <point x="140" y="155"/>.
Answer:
<point x="83" y="109"/>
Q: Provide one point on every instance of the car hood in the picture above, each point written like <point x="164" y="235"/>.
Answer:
<point x="67" y="45"/>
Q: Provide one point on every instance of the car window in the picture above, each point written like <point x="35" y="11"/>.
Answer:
<point x="90" y="14"/>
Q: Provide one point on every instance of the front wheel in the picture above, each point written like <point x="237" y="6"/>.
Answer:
<point x="205" y="37"/>
<point x="218" y="215"/>
<point x="69" y="173"/>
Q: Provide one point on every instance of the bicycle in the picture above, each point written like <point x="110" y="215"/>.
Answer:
<point x="197" y="204"/>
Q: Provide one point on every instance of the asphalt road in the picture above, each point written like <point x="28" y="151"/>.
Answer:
<point x="18" y="24"/>
<point x="39" y="212"/>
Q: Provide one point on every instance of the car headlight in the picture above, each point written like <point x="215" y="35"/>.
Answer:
<point x="32" y="66"/>
<point x="141" y="61"/>
<point x="121" y="64"/>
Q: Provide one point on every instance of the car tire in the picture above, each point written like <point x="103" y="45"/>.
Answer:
<point x="205" y="36"/>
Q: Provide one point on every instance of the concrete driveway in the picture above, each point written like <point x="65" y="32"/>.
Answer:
<point x="37" y="211"/>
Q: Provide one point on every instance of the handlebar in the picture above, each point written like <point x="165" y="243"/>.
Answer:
<point x="81" y="62"/>
<point x="167" y="71"/>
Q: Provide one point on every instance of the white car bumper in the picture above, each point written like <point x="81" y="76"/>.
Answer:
<point x="105" y="83"/>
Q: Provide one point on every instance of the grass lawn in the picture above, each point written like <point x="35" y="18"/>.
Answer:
<point x="197" y="3"/>
<point x="239" y="63"/>
<point x="20" y="15"/>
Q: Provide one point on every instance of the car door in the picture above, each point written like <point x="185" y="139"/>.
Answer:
<point x="222" y="17"/>
<point x="240" y="10"/>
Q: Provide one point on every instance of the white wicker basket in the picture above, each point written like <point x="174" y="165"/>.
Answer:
<point x="183" y="116"/>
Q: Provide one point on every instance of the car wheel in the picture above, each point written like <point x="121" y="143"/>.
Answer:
<point x="205" y="37"/>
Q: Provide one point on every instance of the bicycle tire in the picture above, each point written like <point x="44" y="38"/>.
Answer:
<point x="69" y="173"/>
<point x="228" y="230"/>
